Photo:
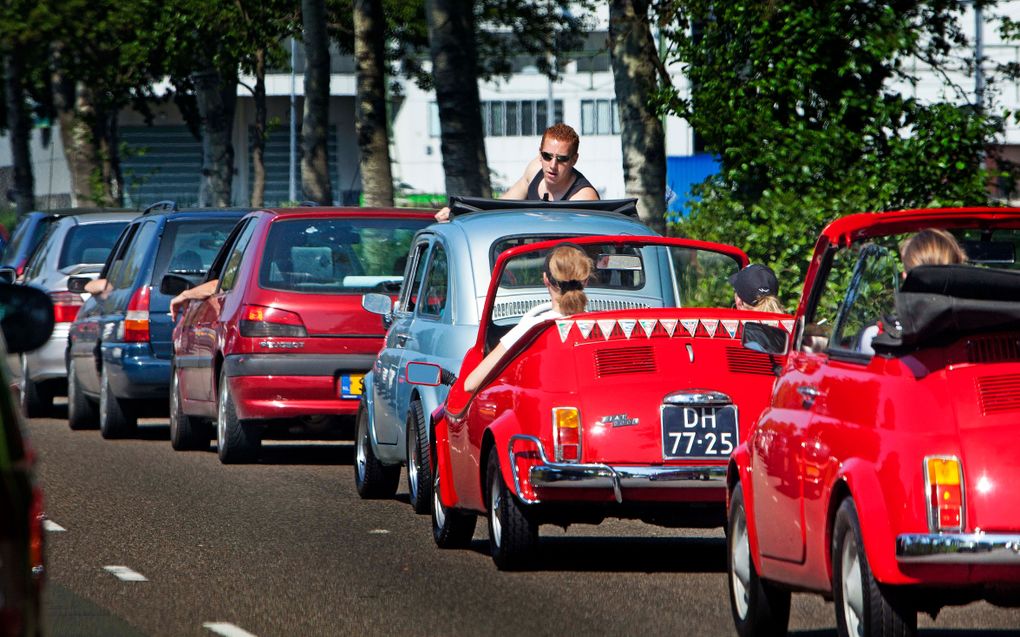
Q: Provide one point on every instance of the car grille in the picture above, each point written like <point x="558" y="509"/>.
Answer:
<point x="745" y="361"/>
<point x="993" y="349"/>
<point x="624" y="360"/>
<point x="999" y="393"/>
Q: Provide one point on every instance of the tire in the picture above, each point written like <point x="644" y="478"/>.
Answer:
<point x="82" y="411"/>
<point x="36" y="399"/>
<point x="373" y="479"/>
<point x="114" y="420"/>
<point x="863" y="606"/>
<point x="419" y="470"/>
<point x="513" y="537"/>
<point x="451" y="529"/>
<point x="186" y="432"/>
<point x="759" y="607"/>
<point x="236" y="442"/>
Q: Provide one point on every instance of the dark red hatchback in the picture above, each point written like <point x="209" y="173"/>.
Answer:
<point x="281" y="347"/>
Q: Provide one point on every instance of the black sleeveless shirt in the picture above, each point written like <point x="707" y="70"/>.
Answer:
<point x="580" y="183"/>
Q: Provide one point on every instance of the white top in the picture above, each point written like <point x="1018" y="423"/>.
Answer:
<point x="534" y="316"/>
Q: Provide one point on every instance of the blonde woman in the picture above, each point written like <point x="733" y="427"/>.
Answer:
<point x="756" y="288"/>
<point x="931" y="246"/>
<point x="566" y="270"/>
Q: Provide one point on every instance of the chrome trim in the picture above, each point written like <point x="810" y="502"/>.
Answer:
<point x="959" y="548"/>
<point x="696" y="397"/>
<point x="562" y="475"/>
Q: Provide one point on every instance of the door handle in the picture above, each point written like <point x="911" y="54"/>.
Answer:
<point x="809" y="395"/>
<point x="402" y="339"/>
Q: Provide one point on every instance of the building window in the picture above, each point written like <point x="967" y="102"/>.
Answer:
<point x="600" y="117"/>
<point x="518" y="118"/>
<point x="435" y="130"/>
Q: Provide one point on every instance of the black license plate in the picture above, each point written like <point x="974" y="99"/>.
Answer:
<point x="692" y="431"/>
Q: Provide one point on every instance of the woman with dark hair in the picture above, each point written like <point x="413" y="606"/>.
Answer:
<point x="566" y="270"/>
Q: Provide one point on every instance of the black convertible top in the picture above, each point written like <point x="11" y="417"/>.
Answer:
<point x="939" y="303"/>
<point x="462" y="205"/>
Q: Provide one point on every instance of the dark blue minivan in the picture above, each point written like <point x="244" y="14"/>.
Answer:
<point x="119" y="347"/>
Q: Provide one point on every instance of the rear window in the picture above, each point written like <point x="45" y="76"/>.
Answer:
<point x="335" y="256"/>
<point x="188" y="247"/>
<point x="27" y="236"/>
<point x="89" y="243"/>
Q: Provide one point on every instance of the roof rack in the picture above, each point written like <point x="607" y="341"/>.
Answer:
<point x="463" y="205"/>
<point x="167" y="205"/>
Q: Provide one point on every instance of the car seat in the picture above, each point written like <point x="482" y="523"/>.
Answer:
<point x="186" y="261"/>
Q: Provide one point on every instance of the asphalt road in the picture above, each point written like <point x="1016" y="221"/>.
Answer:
<point x="286" y="547"/>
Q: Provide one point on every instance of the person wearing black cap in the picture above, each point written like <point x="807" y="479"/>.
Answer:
<point x="756" y="288"/>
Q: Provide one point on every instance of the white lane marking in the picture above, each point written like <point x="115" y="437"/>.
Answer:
<point x="50" y="525"/>
<point x="125" y="574"/>
<point x="378" y="532"/>
<point x="226" y="629"/>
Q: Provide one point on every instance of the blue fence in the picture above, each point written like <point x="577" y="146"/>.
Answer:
<point x="681" y="174"/>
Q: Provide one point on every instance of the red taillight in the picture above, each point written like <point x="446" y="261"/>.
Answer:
<point x="567" y="433"/>
<point x="944" y="479"/>
<point x="35" y="534"/>
<point x="65" y="306"/>
<point x="135" y="328"/>
<point x="258" y="320"/>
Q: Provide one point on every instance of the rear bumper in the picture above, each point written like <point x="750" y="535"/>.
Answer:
<point x="48" y="361"/>
<point x="548" y="477"/>
<point x="135" y="374"/>
<point x="282" y="397"/>
<point x="959" y="548"/>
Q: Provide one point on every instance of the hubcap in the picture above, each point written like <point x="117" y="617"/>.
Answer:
<point x="362" y="457"/>
<point x="438" y="512"/>
<point x="740" y="568"/>
<point x="72" y="390"/>
<point x="221" y="420"/>
<point x="853" y="587"/>
<point x="495" y="510"/>
<point x="174" y="405"/>
<point x="412" y="462"/>
<point x="104" y="398"/>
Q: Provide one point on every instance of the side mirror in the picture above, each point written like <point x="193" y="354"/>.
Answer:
<point x="377" y="303"/>
<point x="764" y="338"/>
<point x="27" y="317"/>
<point x="174" y="284"/>
<point x="8" y="274"/>
<point x="428" y="374"/>
<point x="77" y="283"/>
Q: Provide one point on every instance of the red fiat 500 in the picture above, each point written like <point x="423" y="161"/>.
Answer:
<point x="625" y="413"/>
<point x="283" y="343"/>
<point x="883" y="472"/>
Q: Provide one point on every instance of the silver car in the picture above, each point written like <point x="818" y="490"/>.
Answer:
<point x="435" y="320"/>
<point x="74" y="245"/>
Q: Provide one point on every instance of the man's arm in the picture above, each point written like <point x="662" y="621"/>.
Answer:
<point x="520" y="188"/>
<point x="585" y="194"/>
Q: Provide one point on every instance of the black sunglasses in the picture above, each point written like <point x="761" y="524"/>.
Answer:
<point x="549" y="157"/>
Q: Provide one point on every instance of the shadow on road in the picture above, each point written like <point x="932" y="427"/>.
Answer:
<point x="922" y="632"/>
<point x="313" y="453"/>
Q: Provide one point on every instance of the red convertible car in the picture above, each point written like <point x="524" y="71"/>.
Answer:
<point x="881" y="474"/>
<point x="631" y="412"/>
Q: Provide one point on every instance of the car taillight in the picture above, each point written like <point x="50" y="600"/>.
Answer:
<point x="944" y="484"/>
<point x="258" y="320"/>
<point x="135" y="327"/>
<point x="65" y="306"/>
<point x="36" y="534"/>
<point x="567" y="433"/>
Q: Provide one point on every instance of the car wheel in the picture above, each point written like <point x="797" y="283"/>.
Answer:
<point x="36" y="399"/>
<point x="372" y="478"/>
<point x="513" y="537"/>
<point x="759" y="608"/>
<point x="114" y="419"/>
<point x="236" y="442"/>
<point x="81" y="410"/>
<point x="863" y="606"/>
<point x="451" y="529"/>
<point x="419" y="473"/>
<point x="186" y="433"/>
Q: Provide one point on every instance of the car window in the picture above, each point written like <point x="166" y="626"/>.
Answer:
<point x="702" y="277"/>
<point x="188" y="247"/>
<point x="346" y="255"/>
<point x="133" y="259"/>
<point x="116" y="261"/>
<point x="869" y="299"/>
<point x="90" y="243"/>
<point x="21" y="232"/>
<point x="434" y="296"/>
<point x="409" y="293"/>
<point x="24" y="243"/>
<point x="505" y="243"/>
<point x="36" y="263"/>
<point x="233" y="264"/>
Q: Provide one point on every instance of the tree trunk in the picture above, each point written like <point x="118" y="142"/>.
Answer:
<point x="373" y="140"/>
<point x="454" y="68"/>
<point x="216" y="94"/>
<point x="315" y="127"/>
<point x="258" y="142"/>
<point x="642" y="138"/>
<point x="20" y="129"/>
<point x="111" y="182"/>
<point x="76" y="112"/>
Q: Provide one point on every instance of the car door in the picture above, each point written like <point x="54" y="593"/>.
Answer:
<point x="391" y="392"/>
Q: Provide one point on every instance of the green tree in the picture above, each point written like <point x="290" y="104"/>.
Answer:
<point x="797" y="99"/>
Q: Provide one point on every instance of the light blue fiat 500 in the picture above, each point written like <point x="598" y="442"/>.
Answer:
<point x="435" y="320"/>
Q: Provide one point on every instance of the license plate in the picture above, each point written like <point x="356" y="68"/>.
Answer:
<point x="692" y="431"/>
<point x="352" y="385"/>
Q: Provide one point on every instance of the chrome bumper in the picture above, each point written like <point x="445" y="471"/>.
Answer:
<point x="958" y="548"/>
<point x="563" y="475"/>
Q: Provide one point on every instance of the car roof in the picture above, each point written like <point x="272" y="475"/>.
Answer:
<point x="349" y="211"/>
<point x="100" y="217"/>
<point x="858" y="226"/>
<point x="487" y="227"/>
